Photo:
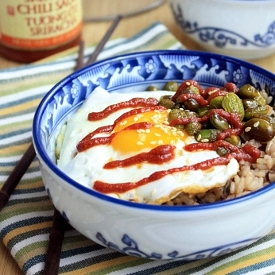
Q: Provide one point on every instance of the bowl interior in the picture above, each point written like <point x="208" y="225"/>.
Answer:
<point x="135" y="72"/>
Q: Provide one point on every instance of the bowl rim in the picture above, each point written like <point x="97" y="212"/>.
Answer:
<point x="44" y="158"/>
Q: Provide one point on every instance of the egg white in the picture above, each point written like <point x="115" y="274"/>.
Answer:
<point x="87" y="166"/>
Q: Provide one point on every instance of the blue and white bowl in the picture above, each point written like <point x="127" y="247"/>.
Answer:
<point x="148" y="231"/>
<point x="240" y="28"/>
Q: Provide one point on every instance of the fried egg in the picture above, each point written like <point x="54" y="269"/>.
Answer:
<point x="125" y="142"/>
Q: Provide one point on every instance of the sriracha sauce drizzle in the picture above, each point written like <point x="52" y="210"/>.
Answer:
<point x="165" y="153"/>
<point x="104" y="187"/>
<point x="132" y="103"/>
<point x="158" y="155"/>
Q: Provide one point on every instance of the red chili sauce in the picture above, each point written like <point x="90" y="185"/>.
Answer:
<point x="165" y="153"/>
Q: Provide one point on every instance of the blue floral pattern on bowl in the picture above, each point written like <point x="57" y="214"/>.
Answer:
<point x="139" y="71"/>
<point x="221" y="37"/>
<point x="130" y="247"/>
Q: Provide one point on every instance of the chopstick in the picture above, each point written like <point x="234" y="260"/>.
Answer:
<point x="105" y="38"/>
<point x="56" y="237"/>
<point x="16" y="175"/>
<point x="80" y="56"/>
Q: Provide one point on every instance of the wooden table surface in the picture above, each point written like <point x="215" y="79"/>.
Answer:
<point x="92" y="33"/>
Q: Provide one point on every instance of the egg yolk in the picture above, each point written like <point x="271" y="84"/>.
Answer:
<point x="136" y="140"/>
<point x="154" y="117"/>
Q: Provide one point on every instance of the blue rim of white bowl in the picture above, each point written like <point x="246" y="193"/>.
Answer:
<point x="46" y="159"/>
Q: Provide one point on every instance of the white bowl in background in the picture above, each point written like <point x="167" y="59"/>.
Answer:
<point x="240" y="28"/>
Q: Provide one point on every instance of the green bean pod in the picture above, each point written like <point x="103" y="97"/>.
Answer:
<point x="171" y="86"/>
<point x="216" y="103"/>
<point x="252" y="112"/>
<point x="235" y="140"/>
<point x="221" y="151"/>
<point x="259" y="129"/>
<point x="219" y="122"/>
<point x="166" y="102"/>
<point x="233" y="104"/>
<point x="207" y="135"/>
<point x="192" y="128"/>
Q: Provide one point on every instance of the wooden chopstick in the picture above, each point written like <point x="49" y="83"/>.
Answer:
<point x="103" y="41"/>
<point x="16" y="175"/>
<point x="56" y="237"/>
<point x="80" y="56"/>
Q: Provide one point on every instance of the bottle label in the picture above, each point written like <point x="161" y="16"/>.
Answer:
<point x="39" y="24"/>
